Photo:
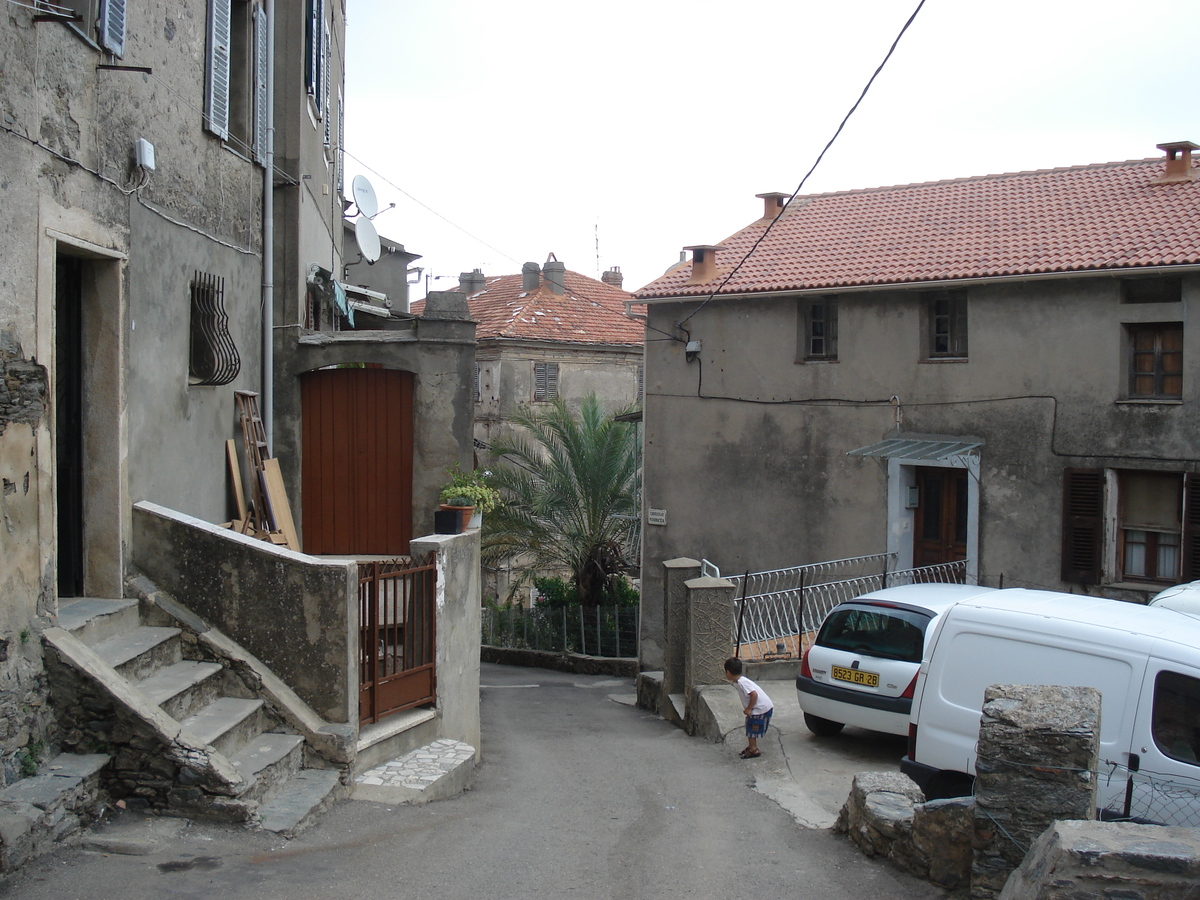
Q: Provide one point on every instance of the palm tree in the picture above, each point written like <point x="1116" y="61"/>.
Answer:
<point x="569" y="485"/>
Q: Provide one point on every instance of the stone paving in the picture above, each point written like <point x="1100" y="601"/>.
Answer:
<point x="422" y="767"/>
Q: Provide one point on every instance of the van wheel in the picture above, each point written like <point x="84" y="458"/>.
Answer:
<point x="947" y="785"/>
<point x="822" y="727"/>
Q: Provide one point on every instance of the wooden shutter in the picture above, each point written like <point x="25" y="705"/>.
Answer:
<point x="216" y="81"/>
<point x="326" y="60"/>
<point x="314" y="54"/>
<point x="1191" y="529"/>
<point x="261" y="105"/>
<point x="1083" y="525"/>
<point x="112" y="26"/>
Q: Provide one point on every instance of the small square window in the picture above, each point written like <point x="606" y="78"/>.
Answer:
<point x="818" y="329"/>
<point x="946" y="324"/>
<point x="1155" y="361"/>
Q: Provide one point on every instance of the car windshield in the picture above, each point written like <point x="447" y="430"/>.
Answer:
<point x="876" y="631"/>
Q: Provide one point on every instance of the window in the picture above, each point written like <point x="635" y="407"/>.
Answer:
<point x="478" y="392"/>
<point x="1168" y="289"/>
<point x="214" y="359"/>
<point x="1175" y="722"/>
<point x="235" y="87"/>
<point x="316" y="56"/>
<point x="1155" y="361"/>
<point x="100" y="20"/>
<point x="545" y="381"/>
<point x="818" y="329"/>
<point x="946" y="324"/>
<point x="641" y="382"/>
<point x="1149" y="508"/>
<point x="1155" y="536"/>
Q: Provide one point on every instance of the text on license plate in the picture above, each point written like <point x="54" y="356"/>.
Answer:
<point x="855" y="676"/>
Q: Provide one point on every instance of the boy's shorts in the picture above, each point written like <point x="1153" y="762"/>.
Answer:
<point x="756" y="726"/>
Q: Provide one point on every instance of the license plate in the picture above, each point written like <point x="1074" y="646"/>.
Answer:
<point x="855" y="676"/>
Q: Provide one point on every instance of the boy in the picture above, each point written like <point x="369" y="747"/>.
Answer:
<point x="756" y="706"/>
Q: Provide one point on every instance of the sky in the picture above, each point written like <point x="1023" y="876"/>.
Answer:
<point x="617" y="133"/>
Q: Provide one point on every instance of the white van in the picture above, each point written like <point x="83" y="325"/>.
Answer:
<point x="1184" y="598"/>
<point x="1144" y="661"/>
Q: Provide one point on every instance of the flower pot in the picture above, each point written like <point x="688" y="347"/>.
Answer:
<point x="464" y="512"/>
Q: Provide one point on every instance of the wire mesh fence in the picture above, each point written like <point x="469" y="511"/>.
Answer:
<point x="610" y="631"/>
<point x="1152" y="797"/>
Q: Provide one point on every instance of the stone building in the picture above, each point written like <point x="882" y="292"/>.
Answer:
<point x="998" y="369"/>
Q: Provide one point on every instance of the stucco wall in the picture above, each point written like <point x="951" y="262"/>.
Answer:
<point x="747" y="431"/>
<point x="294" y="612"/>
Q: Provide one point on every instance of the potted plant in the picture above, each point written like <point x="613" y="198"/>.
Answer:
<point x="469" y="493"/>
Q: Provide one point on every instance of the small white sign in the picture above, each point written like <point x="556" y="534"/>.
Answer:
<point x="656" y="516"/>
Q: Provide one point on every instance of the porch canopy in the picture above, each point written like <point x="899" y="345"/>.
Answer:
<point x="926" y="446"/>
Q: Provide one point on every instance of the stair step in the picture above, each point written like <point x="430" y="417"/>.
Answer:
<point x="265" y="750"/>
<point x="227" y="723"/>
<point x="298" y="800"/>
<point x="433" y="772"/>
<point x="45" y="809"/>
<point x="182" y="688"/>
<point x="137" y="653"/>
<point x="92" y="619"/>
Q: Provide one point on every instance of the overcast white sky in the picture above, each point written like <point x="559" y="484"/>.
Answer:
<point x="535" y="124"/>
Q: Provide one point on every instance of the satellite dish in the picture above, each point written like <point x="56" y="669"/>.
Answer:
<point x="367" y="238"/>
<point x="364" y="196"/>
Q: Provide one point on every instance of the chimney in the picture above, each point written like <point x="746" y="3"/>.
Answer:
<point x="613" y="276"/>
<point x="704" y="263"/>
<point x="471" y="282"/>
<point x="1179" y="163"/>
<point x="773" y="204"/>
<point x="531" y="275"/>
<point x="554" y="272"/>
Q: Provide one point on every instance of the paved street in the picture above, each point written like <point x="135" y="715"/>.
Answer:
<point x="578" y="795"/>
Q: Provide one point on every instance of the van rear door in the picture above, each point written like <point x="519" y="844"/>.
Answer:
<point x="1163" y="774"/>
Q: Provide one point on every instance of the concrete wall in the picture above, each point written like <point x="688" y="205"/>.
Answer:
<point x="294" y="612"/>
<point x="749" y="431"/>
<point x="458" y="633"/>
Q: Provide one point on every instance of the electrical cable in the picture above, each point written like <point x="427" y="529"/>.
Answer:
<point x="816" y="163"/>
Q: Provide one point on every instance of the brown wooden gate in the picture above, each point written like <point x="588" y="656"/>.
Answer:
<point x="397" y="648"/>
<point x="357" y="461"/>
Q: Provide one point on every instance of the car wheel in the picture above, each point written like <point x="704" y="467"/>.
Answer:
<point x="948" y="785"/>
<point x="822" y="727"/>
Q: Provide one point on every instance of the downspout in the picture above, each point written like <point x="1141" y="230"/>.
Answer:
<point x="268" y="269"/>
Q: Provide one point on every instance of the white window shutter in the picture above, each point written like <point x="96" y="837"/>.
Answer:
<point x="326" y="58"/>
<point x="261" y="106"/>
<point x="216" y="93"/>
<point x="112" y="26"/>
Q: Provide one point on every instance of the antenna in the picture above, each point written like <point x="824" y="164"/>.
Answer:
<point x="367" y="238"/>
<point x="365" y="234"/>
<point x="364" y="196"/>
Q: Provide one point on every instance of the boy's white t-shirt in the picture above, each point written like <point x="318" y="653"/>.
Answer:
<point x="762" y="703"/>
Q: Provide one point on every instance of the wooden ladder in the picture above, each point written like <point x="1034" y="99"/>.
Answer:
<point x="272" y="514"/>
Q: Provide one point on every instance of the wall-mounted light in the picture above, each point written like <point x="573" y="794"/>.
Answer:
<point x="692" y="350"/>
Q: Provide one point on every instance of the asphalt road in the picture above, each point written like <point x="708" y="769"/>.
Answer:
<point x="578" y="796"/>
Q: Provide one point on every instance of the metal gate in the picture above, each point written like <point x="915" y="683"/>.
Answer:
<point x="396" y="614"/>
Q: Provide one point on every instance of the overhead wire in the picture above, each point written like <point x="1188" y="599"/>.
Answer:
<point x="817" y="162"/>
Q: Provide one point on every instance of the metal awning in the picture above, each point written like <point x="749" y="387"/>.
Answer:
<point x="932" y="448"/>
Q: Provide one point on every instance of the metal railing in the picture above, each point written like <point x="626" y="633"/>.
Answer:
<point x="783" y="605"/>
<point x="609" y="631"/>
<point x="397" y="649"/>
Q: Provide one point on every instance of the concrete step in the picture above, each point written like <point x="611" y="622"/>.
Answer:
<point x="93" y="620"/>
<point x="138" y="653"/>
<point x="434" y="772"/>
<point x="227" y="724"/>
<point x="268" y="760"/>
<point x="39" y="812"/>
<point x="396" y="735"/>
<point x="182" y="688"/>
<point x="297" y="801"/>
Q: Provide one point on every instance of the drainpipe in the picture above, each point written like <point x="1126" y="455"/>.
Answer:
<point x="268" y="268"/>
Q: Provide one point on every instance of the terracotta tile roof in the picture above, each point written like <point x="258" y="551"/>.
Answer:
<point x="1082" y="218"/>
<point x="589" y="312"/>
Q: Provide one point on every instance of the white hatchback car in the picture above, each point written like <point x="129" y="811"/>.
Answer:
<point x="862" y="667"/>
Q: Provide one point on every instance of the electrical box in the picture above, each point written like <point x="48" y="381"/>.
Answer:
<point x="143" y="151"/>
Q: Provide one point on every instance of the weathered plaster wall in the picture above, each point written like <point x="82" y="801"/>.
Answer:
<point x="294" y="612"/>
<point x="747" y="431"/>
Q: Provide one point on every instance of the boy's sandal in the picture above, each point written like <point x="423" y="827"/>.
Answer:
<point x="750" y="754"/>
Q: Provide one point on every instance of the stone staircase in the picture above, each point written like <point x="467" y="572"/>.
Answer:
<point x="196" y="726"/>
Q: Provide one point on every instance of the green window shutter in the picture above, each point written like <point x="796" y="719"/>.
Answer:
<point x="1083" y="525"/>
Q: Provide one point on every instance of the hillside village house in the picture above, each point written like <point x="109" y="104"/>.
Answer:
<point x="148" y="222"/>
<point x="548" y="333"/>
<point x="1000" y="369"/>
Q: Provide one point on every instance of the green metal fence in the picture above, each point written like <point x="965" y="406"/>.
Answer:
<point x="609" y="631"/>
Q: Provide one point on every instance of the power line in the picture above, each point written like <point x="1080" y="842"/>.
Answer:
<point x="820" y="156"/>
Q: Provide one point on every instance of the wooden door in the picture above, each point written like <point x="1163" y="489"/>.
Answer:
<point x="941" y="517"/>
<point x="357" y="459"/>
<point x="68" y="423"/>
